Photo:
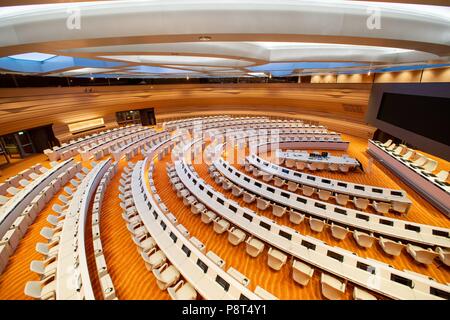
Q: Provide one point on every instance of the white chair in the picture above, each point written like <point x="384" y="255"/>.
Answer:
<point x="290" y="163"/>
<point x="364" y="240"/>
<point x="444" y="256"/>
<point x="381" y="207"/>
<point x="361" y="203"/>
<point x="324" y="195"/>
<point x="48" y="249"/>
<point x="248" y="197"/>
<point x="44" y="289"/>
<point x="296" y="217"/>
<point x="207" y="216"/>
<point x="307" y="191"/>
<point x="236" y="236"/>
<point x="153" y="258"/>
<point x="430" y="165"/>
<point x="301" y="272"/>
<point x="254" y="247"/>
<point x="24" y="183"/>
<point x="256" y="173"/>
<point x="420" y="161"/>
<point x="393" y="248"/>
<point x="342" y="199"/>
<point x="300" y="165"/>
<point x="45" y="267"/>
<point x="182" y="291"/>
<point x="279" y="182"/>
<point x="144" y="243"/>
<point x="3" y="200"/>
<point x="197" y="208"/>
<point x="311" y="166"/>
<point x="262" y="204"/>
<point x="12" y="191"/>
<point x="409" y="154"/>
<point x="50" y="233"/>
<point x="221" y="225"/>
<point x="227" y="184"/>
<point x="332" y="288"/>
<point x="316" y="224"/>
<point x="442" y="176"/>
<point x="338" y="232"/>
<point x="276" y="259"/>
<point x="166" y="276"/>
<point x="292" y="186"/>
<point x="391" y="147"/>
<point x="333" y="167"/>
<point x="421" y="255"/>
<point x="277" y="210"/>
<point x="387" y="143"/>
<point x="360" y="294"/>
<point x="54" y="220"/>
<point x="400" y="207"/>
<point x="236" y="191"/>
<point x="267" y="177"/>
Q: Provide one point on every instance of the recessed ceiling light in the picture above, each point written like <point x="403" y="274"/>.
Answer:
<point x="204" y="38"/>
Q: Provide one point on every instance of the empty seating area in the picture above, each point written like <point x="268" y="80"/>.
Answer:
<point x="240" y="217"/>
<point x="342" y="191"/>
<point x="71" y="148"/>
<point x="417" y="170"/>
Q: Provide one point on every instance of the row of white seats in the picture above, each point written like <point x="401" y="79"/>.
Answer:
<point x="338" y="231"/>
<point x="109" y="145"/>
<point x="342" y="190"/>
<point x="71" y="148"/>
<point x="19" y="180"/>
<point x="409" y="232"/>
<point x="325" y="195"/>
<point x="251" y="123"/>
<point x="131" y="149"/>
<point x="390" y="281"/>
<point x="106" y="283"/>
<point x="45" y="288"/>
<point x="332" y="288"/>
<point x="415" y="159"/>
<point x="316" y="166"/>
<point x="198" y="269"/>
<point x="17" y="230"/>
<point x="167" y="276"/>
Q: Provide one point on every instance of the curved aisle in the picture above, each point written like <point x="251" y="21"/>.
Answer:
<point x="131" y="279"/>
<point x="278" y="283"/>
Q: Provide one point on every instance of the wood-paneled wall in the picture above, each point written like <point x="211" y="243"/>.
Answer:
<point x="341" y="107"/>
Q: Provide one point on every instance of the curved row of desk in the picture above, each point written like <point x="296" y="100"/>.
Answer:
<point x="368" y="273"/>
<point x="208" y="279"/>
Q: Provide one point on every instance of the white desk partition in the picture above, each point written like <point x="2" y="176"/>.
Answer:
<point x="17" y="204"/>
<point x="376" y="276"/>
<point x="55" y="154"/>
<point x="209" y="280"/>
<point x="72" y="274"/>
<point x="436" y="192"/>
<point x="308" y="158"/>
<point x="87" y="153"/>
<point x="338" y="186"/>
<point x="153" y="136"/>
<point x="387" y="227"/>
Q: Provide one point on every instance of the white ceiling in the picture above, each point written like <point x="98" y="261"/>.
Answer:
<point x="242" y="34"/>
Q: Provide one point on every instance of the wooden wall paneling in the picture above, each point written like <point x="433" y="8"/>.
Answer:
<point x="60" y="106"/>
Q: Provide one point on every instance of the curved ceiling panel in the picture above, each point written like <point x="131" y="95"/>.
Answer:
<point x="207" y="38"/>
